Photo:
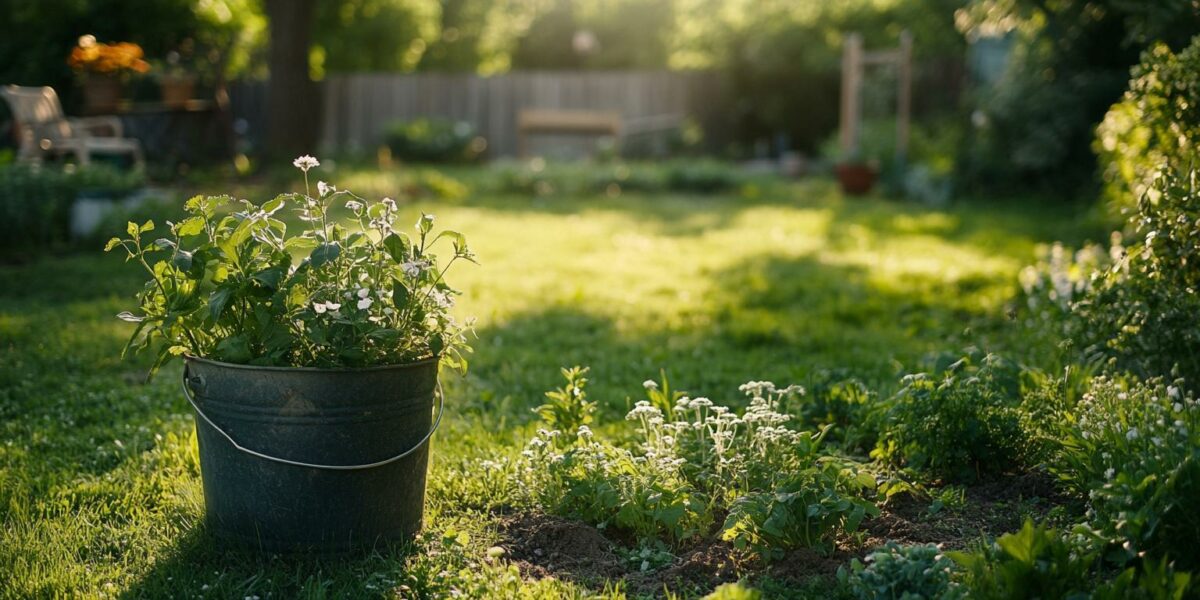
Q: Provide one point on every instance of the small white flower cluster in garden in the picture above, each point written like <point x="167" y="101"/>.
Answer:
<point x="694" y="431"/>
<point x="1129" y="437"/>
<point x="1060" y="277"/>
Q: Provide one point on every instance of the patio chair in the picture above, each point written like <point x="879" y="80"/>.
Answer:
<point x="45" y="130"/>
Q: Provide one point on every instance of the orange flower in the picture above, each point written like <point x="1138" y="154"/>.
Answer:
<point x="92" y="57"/>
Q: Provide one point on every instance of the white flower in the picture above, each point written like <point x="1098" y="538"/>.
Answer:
<point x="306" y="162"/>
<point x="1132" y="434"/>
<point x="365" y="303"/>
<point x="325" y="188"/>
<point x="363" y="292"/>
<point x="413" y="268"/>
<point x="1172" y="392"/>
<point x="353" y="205"/>
<point x="650" y="384"/>
<point x="445" y="300"/>
<point x="389" y="203"/>
<point x="585" y="432"/>
<point x="1109" y="473"/>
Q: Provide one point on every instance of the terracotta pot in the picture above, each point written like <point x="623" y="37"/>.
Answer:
<point x="177" y="91"/>
<point x="856" y="178"/>
<point x="102" y="93"/>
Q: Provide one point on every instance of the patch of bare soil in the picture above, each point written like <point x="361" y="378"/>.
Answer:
<point x="990" y="509"/>
<point x="803" y="563"/>
<point x="544" y="545"/>
<point x="702" y="567"/>
<point x="548" y="546"/>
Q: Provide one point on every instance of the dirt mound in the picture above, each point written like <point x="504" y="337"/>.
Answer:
<point x="702" y="567"/>
<point x="545" y="545"/>
<point x="990" y="509"/>
<point x="804" y="563"/>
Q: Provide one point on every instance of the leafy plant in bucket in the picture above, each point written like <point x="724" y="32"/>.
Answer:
<point x="231" y="283"/>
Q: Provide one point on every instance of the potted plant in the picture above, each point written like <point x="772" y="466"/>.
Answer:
<point x="177" y="84"/>
<point x="311" y="359"/>
<point x="856" y="176"/>
<point x="102" y="68"/>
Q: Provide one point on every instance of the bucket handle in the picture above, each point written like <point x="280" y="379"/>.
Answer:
<point x="187" y="393"/>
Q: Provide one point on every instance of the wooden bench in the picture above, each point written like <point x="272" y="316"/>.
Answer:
<point x="532" y="121"/>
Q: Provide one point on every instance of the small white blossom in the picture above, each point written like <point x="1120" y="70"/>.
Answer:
<point x="365" y="303"/>
<point x="354" y="205"/>
<point x="322" y="307"/>
<point x="1110" y="473"/>
<point x="650" y="384"/>
<point x="325" y="188"/>
<point x="413" y="268"/>
<point x="389" y="203"/>
<point x="363" y="292"/>
<point x="1132" y="434"/>
<point x="306" y="162"/>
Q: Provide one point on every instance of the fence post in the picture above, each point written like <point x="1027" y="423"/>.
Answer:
<point x="851" y="110"/>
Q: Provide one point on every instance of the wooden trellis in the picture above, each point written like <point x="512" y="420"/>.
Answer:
<point x="854" y="60"/>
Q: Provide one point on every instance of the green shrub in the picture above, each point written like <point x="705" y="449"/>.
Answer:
<point x="432" y="140"/>
<point x="958" y="423"/>
<point x="1134" y="451"/>
<point x="1155" y="125"/>
<point x="843" y="404"/>
<point x="703" y="177"/>
<point x="1152" y="580"/>
<point x="35" y="204"/>
<point x="902" y="573"/>
<point x="1143" y="310"/>
<point x="1034" y="562"/>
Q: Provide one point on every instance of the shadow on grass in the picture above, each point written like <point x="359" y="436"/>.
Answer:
<point x="201" y="565"/>
<point x="780" y="318"/>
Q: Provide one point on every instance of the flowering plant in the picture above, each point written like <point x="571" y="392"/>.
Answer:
<point x="91" y="56"/>
<point x="228" y="286"/>
<point x="695" y="462"/>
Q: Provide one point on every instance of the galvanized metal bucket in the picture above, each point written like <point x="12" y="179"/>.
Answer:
<point x="316" y="460"/>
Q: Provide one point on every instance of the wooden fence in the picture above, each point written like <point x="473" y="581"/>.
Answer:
<point x="356" y="109"/>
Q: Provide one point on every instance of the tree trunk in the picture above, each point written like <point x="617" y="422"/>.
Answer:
<point x="293" y="104"/>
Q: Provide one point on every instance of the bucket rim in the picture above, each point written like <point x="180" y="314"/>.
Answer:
<point x="276" y="369"/>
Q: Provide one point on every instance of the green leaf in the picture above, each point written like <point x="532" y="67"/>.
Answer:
<point x="270" y="278"/>
<point x="235" y="349"/>
<point x="218" y="300"/>
<point x="400" y="294"/>
<point x="190" y="226"/>
<point x="324" y="253"/>
<point x="436" y="343"/>
<point x="182" y="260"/>
<point x="130" y="317"/>
<point x="397" y="246"/>
<point x="273" y="205"/>
<point x="132" y="229"/>
<point x="113" y="243"/>
<point x="299" y="243"/>
<point x="147" y="226"/>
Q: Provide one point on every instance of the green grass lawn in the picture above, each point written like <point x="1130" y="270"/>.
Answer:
<point x="99" y="480"/>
